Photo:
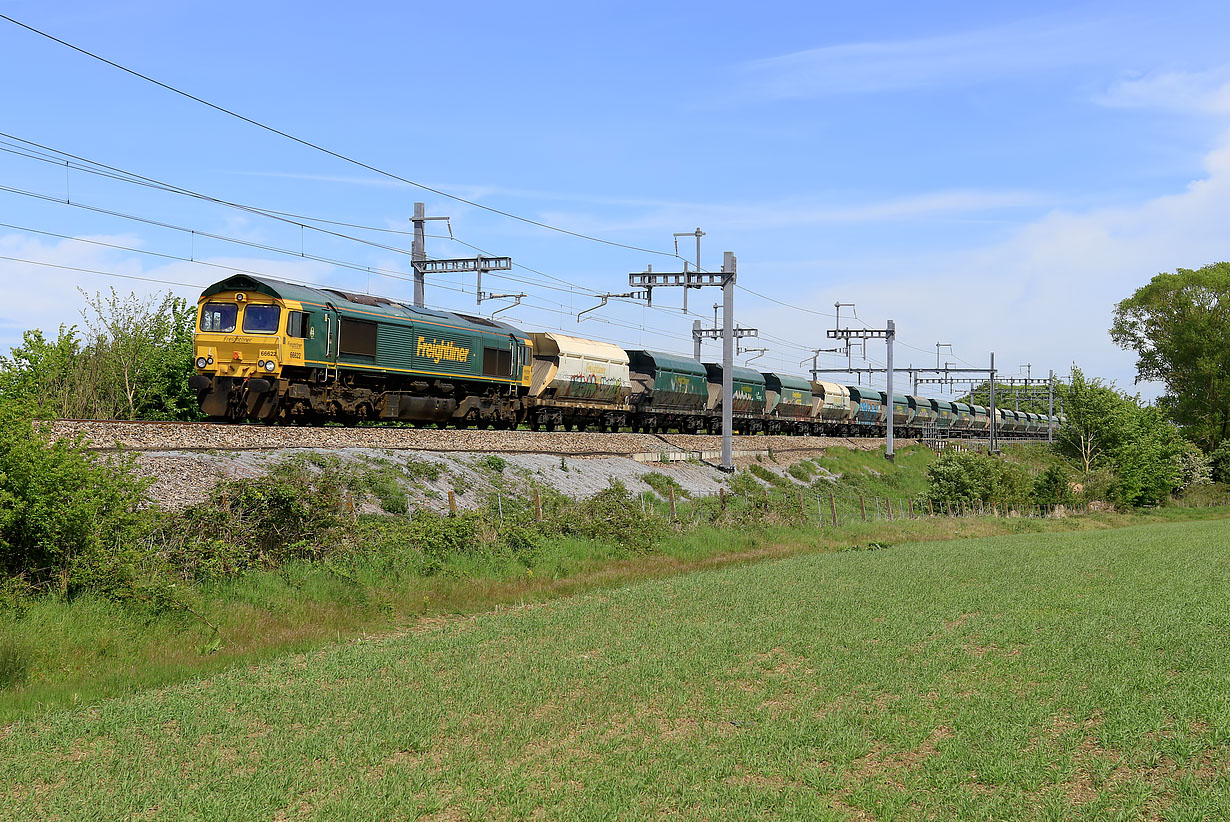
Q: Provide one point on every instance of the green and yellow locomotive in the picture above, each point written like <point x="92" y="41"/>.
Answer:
<point x="269" y="350"/>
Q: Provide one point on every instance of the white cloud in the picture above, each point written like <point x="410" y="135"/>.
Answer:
<point x="1200" y="92"/>
<point x="42" y="281"/>
<point x="963" y="58"/>
<point x="1044" y="296"/>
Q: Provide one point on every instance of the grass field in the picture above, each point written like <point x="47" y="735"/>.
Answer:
<point x="1038" y="676"/>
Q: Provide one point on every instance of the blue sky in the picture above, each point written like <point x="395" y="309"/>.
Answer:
<point x="995" y="176"/>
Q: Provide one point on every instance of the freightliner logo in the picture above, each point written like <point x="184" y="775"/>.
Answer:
<point x="437" y="351"/>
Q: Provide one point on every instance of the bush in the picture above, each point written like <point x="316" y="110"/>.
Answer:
<point x="1195" y="467"/>
<point x="803" y="470"/>
<point x="967" y="477"/>
<point x="493" y="463"/>
<point x="771" y="477"/>
<point x="294" y="512"/>
<point x="1053" y="486"/>
<point x="1219" y="462"/>
<point x="70" y="520"/>
<point x="663" y="485"/>
<point x="612" y="515"/>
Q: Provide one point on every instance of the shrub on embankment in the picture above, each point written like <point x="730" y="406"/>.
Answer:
<point x="69" y="520"/>
<point x="74" y="522"/>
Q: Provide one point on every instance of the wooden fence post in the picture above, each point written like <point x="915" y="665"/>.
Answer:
<point x="930" y="508"/>
<point x="672" y="499"/>
<point x="862" y="503"/>
<point x="537" y="506"/>
<point x="452" y="504"/>
<point x="722" y="497"/>
<point x="833" y="506"/>
<point x="889" y="503"/>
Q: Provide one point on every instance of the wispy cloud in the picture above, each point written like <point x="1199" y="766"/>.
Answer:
<point x="1044" y="294"/>
<point x="896" y="65"/>
<point x="793" y="213"/>
<point x="477" y="193"/>
<point x="1200" y="92"/>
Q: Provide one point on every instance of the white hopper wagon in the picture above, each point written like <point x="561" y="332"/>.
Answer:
<point x="577" y="383"/>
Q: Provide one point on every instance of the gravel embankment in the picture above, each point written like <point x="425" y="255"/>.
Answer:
<point x="185" y="461"/>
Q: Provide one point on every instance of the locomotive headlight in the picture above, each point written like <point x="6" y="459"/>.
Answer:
<point x="270" y="365"/>
<point x="201" y="362"/>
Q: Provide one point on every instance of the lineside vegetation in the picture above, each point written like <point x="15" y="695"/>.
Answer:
<point x="1037" y="677"/>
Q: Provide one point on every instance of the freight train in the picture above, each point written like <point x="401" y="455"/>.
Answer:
<point x="277" y="352"/>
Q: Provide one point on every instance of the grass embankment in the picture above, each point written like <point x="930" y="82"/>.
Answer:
<point x="1036" y="676"/>
<point x="384" y="573"/>
<point x="88" y="649"/>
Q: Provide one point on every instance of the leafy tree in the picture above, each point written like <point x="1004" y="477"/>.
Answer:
<point x="1179" y="326"/>
<point x="1148" y="464"/>
<point x="1219" y="462"/>
<point x="132" y="361"/>
<point x="46" y="373"/>
<point x="1097" y="421"/>
<point x="1052" y="486"/>
<point x="1107" y="430"/>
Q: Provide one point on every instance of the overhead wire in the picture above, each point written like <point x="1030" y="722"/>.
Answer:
<point x="317" y="147"/>
<point x="354" y="161"/>
<point x="52" y="155"/>
<point x="36" y="151"/>
<point x="385" y="173"/>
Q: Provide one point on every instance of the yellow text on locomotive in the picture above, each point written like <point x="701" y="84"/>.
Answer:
<point x="437" y="351"/>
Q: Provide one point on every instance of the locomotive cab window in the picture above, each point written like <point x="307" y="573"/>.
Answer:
<point x="261" y="319"/>
<point x="297" y="324"/>
<point x="219" y="317"/>
<point x="497" y="362"/>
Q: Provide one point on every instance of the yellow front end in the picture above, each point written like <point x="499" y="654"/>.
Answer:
<point x="243" y="346"/>
<point x="241" y="336"/>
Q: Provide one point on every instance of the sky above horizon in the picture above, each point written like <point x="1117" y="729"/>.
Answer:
<point x="994" y="176"/>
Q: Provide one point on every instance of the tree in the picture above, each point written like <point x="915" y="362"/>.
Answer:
<point x="132" y="362"/>
<point x="1109" y="430"/>
<point x="1096" y="424"/>
<point x="1179" y="326"/>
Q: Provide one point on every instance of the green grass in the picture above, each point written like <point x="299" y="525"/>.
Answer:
<point x="868" y="474"/>
<point x="1039" y="676"/>
<point x="56" y="654"/>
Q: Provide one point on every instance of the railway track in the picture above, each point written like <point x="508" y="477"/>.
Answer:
<point x="156" y="436"/>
